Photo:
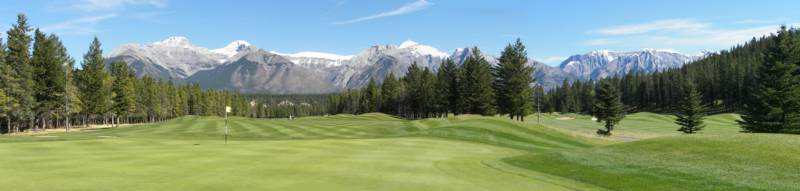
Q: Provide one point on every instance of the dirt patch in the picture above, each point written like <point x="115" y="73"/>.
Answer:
<point x="565" y="118"/>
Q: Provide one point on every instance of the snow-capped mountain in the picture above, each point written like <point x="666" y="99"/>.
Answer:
<point x="175" y="57"/>
<point x="232" y="49"/>
<point x="241" y="66"/>
<point x="603" y="63"/>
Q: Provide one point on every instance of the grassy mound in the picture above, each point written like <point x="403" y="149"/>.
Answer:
<point x="690" y="162"/>
<point x="638" y="126"/>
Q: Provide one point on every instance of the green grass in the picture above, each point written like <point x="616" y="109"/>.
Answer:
<point x="379" y="152"/>
<point x="638" y="126"/>
<point x="691" y="162"/>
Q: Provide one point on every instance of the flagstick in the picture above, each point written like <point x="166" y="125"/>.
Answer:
<point x="226" y="126"/>
<point x="227" y="109"/>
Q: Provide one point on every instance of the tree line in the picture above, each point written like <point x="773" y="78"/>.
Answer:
<point x="285" y="106"/>
<point x="40" y="88"/>
<point x="474" y="87"/>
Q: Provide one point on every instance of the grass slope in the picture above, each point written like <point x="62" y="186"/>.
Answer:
<point x="692" y="162"/>
<point x="638" y="126"/>
<point x="342" y="152"/>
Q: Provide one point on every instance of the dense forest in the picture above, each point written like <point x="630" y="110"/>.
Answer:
<point x="40" y="88"/>
<point x="474" y="87"/>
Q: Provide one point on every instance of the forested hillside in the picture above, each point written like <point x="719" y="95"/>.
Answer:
<point x="724" y="79"/>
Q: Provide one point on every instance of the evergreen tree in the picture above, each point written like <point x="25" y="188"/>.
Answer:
<point x="123" y="89"/>
<point x="94" y="82"/>
<point x="73" y="102"/>
<point x="48" y="74"/>
<point x="513" y="82"/>
<point x="476" y="85"/>
<point x="428" y="94"/>
<point x="371" y="97"/>
<point x="391" y="94"/>
<point x="775" y="98"/>
<point x="7" y="85"/>
<point x="18" y="56"/>
<point x="608" y="108"/>
<point x="414" y="99"/>
<point x="690" y="113"/>
<point x="150" y="102"/>
<point x="447" y="87"/>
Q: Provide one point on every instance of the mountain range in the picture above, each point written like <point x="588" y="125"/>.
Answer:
<point x="244" y="67"/>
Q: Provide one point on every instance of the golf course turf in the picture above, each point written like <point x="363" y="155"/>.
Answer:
<point x="379" y="152"/>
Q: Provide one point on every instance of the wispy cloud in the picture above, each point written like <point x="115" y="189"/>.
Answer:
<point x="672" y="25"/>
<point x="113" y="5"/>
<point x="681" y="34"/>
<point x="340" y="3"/>
<point x="759" y="21"/>
<point x="79" y="26"/>
<point x="405" y="9"/>
<point x="553" y="60"/>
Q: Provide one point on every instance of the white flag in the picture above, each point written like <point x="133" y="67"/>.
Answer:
<point x="227" y="109"/>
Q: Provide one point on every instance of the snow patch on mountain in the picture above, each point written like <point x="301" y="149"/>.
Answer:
<point x="420" y="49"/>
<point x="232" y="49"/>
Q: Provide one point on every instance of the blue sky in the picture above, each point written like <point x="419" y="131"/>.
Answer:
<point x="552" y="30"/>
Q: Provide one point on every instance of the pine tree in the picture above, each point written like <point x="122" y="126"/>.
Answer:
<point x="4" y="98"/>
<point x="447" y="87"/>
<point x="48" y="73"/>
<point x="150" y="102"/>
<point x="7" y="84"/>
<point x="18" y="56"/>
<point x="391" y="93"/>
<point x="123" y="89"/>
<point x="608" y="108"/>
<point x="774" y="105"/>
<point x="690" y="113"/>
<point x="94" y="82"/>
<point x="414" y="99"/>
<point x="513" y="82"/>
<point x="428" y="93"/>
<point x="74" y="104"/>
<point x="476" y="85"/>
<point x="371" y="99"/>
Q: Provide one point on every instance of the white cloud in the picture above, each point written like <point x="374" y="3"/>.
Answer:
<point x="672" y="25"/>
<point x="113" y="5"/>
<point x="405" y="9"/>
<point x="80" y="26"/>
<point x="759" y="21"/>
<point x="684" y="35"/>
<point x="553" y="60"/>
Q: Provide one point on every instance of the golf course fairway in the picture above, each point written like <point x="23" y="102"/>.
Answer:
<point x="380" y="152"/>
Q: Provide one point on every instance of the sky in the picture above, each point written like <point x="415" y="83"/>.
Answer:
<point x="551" y="30"/>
